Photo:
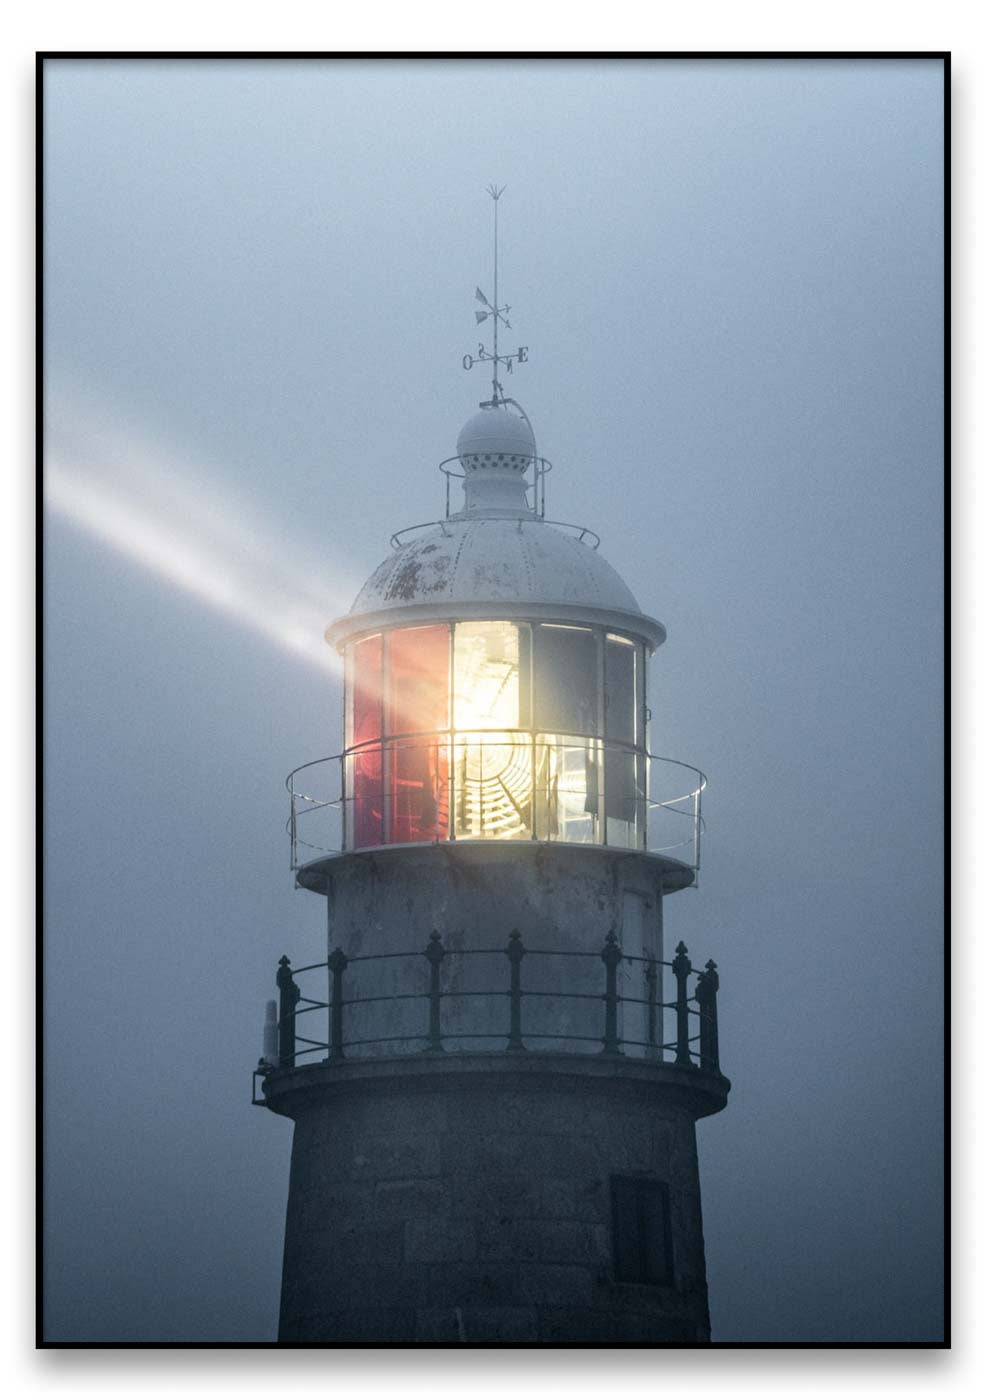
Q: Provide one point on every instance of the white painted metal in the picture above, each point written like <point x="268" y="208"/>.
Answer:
<point x="496" y="557"/>
<point x="496" y="439"/>
<point x="478" y="560"/>
<point x="496" y="448"/>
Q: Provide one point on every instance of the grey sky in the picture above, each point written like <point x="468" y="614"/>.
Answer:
<point x="259" y="285"/>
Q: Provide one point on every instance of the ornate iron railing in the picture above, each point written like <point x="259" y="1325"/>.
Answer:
<point x="693" y="1011"/>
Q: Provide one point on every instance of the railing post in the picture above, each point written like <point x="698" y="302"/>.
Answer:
<point x="651" y="977"/>
<point x="288" y="996"/>
<point x="336" y="962"/>
<point x="681" y="971"/>
<point x="343" y="802"/>
<point x="707" y="1004"/>
<point x="611" y="956"/>
<point x="515" y="952"/>
<point x="435" y="952"/>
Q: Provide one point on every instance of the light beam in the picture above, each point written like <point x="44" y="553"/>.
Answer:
<point x="136" y="495"/>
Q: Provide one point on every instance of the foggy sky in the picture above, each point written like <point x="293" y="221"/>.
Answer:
<point x="259" y="284"/>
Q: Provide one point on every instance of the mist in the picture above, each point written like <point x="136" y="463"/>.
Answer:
<point x="259" y="282"/>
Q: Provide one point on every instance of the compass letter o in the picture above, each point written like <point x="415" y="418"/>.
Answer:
<point x="467" y="361"/>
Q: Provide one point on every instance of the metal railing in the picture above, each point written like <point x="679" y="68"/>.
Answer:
<point x="584" y="533"/>
<point x="693" y="1011"/>
<point x="541" y="469"/>
<point x="666" y="817"/>
<point x="541" y="466"/>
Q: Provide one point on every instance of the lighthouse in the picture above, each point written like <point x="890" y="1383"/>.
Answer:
<point x="496" y="1072"/>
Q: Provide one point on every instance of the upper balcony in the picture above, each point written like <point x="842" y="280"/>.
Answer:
<point x="495" y="785"/>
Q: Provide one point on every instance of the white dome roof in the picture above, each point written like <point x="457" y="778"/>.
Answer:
<point x="496" y="557"/>
<point x="494" y="561"/>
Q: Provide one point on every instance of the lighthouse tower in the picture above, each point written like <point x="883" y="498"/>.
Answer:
<point x="496" y="1072"/>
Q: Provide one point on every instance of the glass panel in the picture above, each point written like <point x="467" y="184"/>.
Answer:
<point x="486" y="675"/>
<point x="567" y="787"/>
<point x="418" y="679"/>
<point x="624" y="770"/>
<point x="366" y="806"/>
<point x="620" y="665"/>
<point x="625" y="798"/>
<point x="418" y="690"/>
<point x="493" y="785"/>
<point x="640" y="696"/>
<point x="493" y="762"/>
<point x="565" y="680"/>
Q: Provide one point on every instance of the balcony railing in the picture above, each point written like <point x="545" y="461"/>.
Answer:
<point x="505" y="784"/>
<point x="609" y="1019"/>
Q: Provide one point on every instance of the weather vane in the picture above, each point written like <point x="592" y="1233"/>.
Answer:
<point x="497" y="314"/>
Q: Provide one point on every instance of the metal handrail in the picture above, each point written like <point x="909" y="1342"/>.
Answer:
<point x="684" y="803"/>
<point x="542" y="468"/>
<point x="397" y="540"/>
<point x="691" y="1048"/>
<point x="453" y="734"/>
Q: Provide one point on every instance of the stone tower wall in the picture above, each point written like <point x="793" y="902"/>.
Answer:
<point x="468" y="1199"/>
<point x="560" y="899"/>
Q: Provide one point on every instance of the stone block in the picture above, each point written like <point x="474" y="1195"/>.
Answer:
<point x="500" y="1326"/>
<point x="353" y="1327"/>
<point x="403" y="1198"/>
<point x="381" y="1158"/>
<point x="326" y="1260"/>
<point x="416" y="1113"/>
<point x="545" y="1241"/>
<point x="515" y="1194"/>
<point x="576" y="1327"/>
<point x="571" y="1198"/>
<point x="437" y="1239"/>
<point x="322" y="1204"/>
<point x="438" y="1325"/>
<point x="484" y="1153"/>
<point x="555" y="1285"/>
<point x="483" y="1281"/>
<point x="652" y="1328"/>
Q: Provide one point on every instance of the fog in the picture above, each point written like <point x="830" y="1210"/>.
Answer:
<point x="259" y="282"/>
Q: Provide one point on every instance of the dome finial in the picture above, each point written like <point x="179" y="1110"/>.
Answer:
<point x="497" y="314"/>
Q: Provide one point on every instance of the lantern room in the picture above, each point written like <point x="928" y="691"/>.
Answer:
<point x="495" y="729"/>
<point x="495" y="676"/>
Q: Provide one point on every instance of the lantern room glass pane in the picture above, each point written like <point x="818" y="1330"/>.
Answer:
<point x="621" y="661"/>
<point x="418" y="707"/>
<point x="365" y="817"/>
<point x="492" y="782"/>
<point x="418" y="679"/>
<point x="568" y="769"/>
<point x="565" y="679"/>
<point x="624" y="785"/>
<point x="486" y="675"/>
<point x="625" y="797"/>
<point x="492" y="778"/>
